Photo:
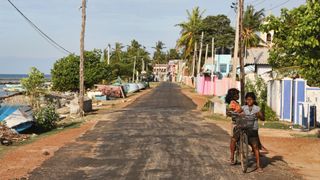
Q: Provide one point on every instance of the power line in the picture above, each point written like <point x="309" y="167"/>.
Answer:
<point x="258" y="3"/>
<point x="44" y="35"/>
<point x="274" y="7"/>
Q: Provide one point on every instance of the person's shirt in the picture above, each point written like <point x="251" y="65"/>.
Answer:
<point x="248" y="111"/>
<point x="235" y="106"/>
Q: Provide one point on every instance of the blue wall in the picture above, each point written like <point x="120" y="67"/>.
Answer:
<point x="222" y="62"/>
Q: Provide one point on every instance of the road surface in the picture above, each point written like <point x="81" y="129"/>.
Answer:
<point x="160" y="136"/>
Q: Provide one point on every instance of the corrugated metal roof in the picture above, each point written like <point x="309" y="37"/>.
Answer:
<point x="259" y="55"/>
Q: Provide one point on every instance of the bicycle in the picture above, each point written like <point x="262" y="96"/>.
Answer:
<point x="243" y="123"/>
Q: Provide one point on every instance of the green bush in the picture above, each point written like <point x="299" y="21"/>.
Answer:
<point x="65" y="72"/>
<point x="259" y="87"/>
<point x="46" y="117"/>
<point x="269" y="114"/>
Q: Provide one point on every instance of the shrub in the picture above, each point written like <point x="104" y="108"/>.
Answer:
<point x="65" y="72"/>
<point x="46" y="117"/>
<point x="259" y="87"/>
<point x="34" y="84"/>
<point x="269" y="114"/>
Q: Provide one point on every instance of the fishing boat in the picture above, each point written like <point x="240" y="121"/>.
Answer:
<point x="131" y="88"/>
<point x="19" y="118"/>
<point x="14" y="88"/>
<point x="141" y="86"/>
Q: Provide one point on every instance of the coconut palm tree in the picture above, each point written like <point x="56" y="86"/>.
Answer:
<point x="190" y="31"/>
<point x="252" y="21"/>
<point x="159" y="56"/>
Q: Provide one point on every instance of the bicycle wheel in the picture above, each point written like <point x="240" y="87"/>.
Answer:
<point x="237" y="153"/>
<point x="244" y="152"/>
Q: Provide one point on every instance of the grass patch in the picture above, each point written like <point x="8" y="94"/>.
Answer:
<point x="275" y="125"/>
<point x="305" y="135"/>
<point x="32" y="139"/>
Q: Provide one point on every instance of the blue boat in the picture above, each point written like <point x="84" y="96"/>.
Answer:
<point x="19" y="118"/>
<point x="131" y="88"/>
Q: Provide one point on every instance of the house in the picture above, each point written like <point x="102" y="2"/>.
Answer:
<point x="160" y="72"/>
<point x="221" y="64"/>
<point x="256" y="60"/>
<point x="176" y="69"/>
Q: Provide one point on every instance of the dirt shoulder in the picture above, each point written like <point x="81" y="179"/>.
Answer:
<point x="301" y="154"/>
<point x="17" y="162"/>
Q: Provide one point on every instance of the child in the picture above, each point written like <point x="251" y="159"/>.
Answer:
<point x="233" y="106"/>
<point x="251" y="108"/>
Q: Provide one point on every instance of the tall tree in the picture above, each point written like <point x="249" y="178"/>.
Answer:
<point x="252" y="21"/>
<point x="159" y="56"/>
<point x="118" y="53"/>
<point x="218" y="27"/>
<point x="173" y="54"/>
<point x="190" y="31"/>
<point x="296" y="40"/>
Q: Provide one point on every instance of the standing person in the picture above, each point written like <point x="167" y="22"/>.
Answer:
<point x="251" y="109"/>
<point x="231" y="100"/>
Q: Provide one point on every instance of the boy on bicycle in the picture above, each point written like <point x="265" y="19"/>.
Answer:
<point x="252" y="109"/>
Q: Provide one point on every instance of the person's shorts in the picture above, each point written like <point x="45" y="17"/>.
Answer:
<point x="253" y="137"/>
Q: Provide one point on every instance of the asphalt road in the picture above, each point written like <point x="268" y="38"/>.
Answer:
<point x="160" y="136"/>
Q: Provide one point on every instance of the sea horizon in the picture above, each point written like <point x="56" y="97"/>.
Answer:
<point x="18" y="76"/>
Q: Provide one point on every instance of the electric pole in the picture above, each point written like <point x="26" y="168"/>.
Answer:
<point x="83" y="29"/>
<point x="108" y="60"/>
<point x="200" y="53"/>
<point x="194" y="58"/>
<point x="134" y="68"/>
<point x="206" y="55"/>
<point x="212" y="63"/>
<point x="242" y="73"/>
<point x="236" y="49"/>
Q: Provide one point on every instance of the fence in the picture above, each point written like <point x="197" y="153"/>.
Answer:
<point x="294" y="101"/>
<point x="217" y="87"/>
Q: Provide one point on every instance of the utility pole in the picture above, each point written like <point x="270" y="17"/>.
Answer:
<point x="212" y="63"/>
<point x="194" y="59"/>
<point x="236" y="48"/>
<point x="206" y="56"/>
<point x="108" y="61"/>
<point x="242" y="73"/>
<point x="200" y="53"/>
<point x="83" y="29"/>
<point x="134" y="68"/>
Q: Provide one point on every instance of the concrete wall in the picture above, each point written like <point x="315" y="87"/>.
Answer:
<point x="222" y="60"/>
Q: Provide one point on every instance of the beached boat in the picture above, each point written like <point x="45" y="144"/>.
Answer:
<point x="131" y="88"/>
<point x="14" y="88"/>
<point x="141" y="86"/>
<point x="111" y="91"/>
<point x="18" y="118"/>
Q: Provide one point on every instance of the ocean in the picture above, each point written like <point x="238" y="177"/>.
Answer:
<point x="13" y="78"/>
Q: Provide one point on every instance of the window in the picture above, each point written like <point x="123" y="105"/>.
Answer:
<point x="223" y="68"/>
<point x="269" y="38"/>
<point x="230" y="67"/>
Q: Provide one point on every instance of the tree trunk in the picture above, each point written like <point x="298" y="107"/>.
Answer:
<point x="83" y="28"/>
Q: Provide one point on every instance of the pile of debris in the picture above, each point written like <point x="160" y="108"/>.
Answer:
<point x="9" y="136"/>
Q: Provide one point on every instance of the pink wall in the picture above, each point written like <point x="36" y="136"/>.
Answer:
<point x="219" y="87"/>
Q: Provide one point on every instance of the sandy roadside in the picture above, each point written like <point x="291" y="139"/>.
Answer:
<point x="20" y="161"/>
<point x="301" y="154"/>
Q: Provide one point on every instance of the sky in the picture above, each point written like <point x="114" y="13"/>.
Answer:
<point x="147" y="21"/>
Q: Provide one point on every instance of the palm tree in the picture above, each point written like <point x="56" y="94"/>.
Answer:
<point x="158" y="55"/>
<point x="118" y="53"/>
<point x="190" y="31"/>
<point x="252" y="21"/>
